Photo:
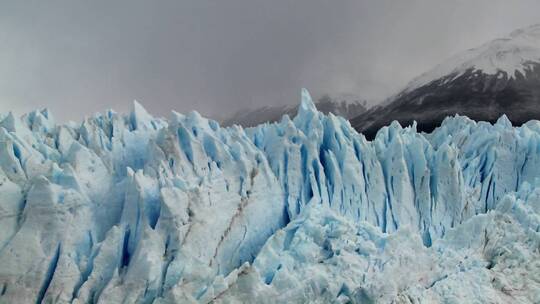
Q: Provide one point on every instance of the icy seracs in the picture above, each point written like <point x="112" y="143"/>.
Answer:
<point x="134" y="209"/>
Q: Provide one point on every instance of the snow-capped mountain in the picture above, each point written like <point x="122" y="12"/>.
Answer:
<point x="135" y="209"/>
<point x="347" y="106"/>
<point x="499" y="77"/>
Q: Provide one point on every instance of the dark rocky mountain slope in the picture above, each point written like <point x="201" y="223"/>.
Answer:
<point x="499" y="77"/>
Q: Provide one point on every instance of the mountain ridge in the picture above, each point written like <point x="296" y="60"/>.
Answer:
<point x="499" y="77"/>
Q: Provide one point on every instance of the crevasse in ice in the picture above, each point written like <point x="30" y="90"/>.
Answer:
<point x="135" y="209"/>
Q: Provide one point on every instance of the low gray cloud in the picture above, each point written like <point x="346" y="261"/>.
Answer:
<point x="80" y="57"/>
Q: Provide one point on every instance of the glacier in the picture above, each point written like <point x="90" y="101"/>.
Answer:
<point x="137" y="209"/>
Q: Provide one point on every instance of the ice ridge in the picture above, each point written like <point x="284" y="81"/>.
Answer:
<point x="137" y="209"/>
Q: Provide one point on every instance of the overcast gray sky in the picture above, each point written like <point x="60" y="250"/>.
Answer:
<point x="81" y="57"/>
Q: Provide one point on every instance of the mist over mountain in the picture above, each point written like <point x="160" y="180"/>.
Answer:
<point x="499" y="77"/>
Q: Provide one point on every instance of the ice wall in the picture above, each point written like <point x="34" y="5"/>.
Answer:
<point x="137" y="209"/>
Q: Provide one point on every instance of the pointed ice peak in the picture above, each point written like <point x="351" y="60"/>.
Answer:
<point x="503" y="121"/>
<point x="47" y="118"/>
<point x="306" y="112"/>
<point x="306" y="105"/>
<point x="47" y="113"/>
<point x="396" y="125"/>
<point x="11" y="123"/>
<point x="139" y="117"/>
<point x="413" y="127"/>
<point x="39" y="120"/>
<point x="138" y="109"/>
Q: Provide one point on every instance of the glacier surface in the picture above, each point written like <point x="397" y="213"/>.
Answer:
<point x="137" y="209"/>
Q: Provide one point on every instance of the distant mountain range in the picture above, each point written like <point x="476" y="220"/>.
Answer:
<point x="499" y="77"/>
<point x="345" y="106"/>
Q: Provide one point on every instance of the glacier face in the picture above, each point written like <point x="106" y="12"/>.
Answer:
<point x="136" y="209"/>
